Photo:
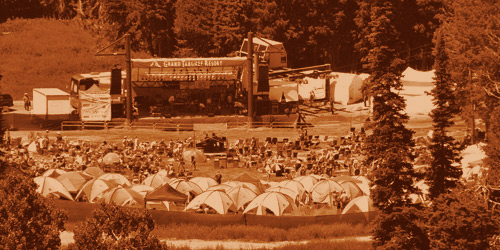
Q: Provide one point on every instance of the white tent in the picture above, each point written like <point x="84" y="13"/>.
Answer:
<point x="347" y="88"/>
<point x="412" y="77"/>
<point x="288" y="89"/>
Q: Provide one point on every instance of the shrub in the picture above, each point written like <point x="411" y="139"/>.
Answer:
<point x="113" y="227"/>
<point x="401" y="229"/>
<point x="27" y="220"/>
<point x="461" y="220"/>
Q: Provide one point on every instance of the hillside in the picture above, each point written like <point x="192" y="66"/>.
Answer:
<point x="46" y="53"/>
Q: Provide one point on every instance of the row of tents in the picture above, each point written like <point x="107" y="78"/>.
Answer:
<point x="347" y="86"/>
<point x="243" y="194"/>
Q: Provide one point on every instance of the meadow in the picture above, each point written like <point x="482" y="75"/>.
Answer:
<point x="45" y="53"/>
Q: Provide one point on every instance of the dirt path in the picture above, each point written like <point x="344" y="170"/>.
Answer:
<point x="67" y="238"/>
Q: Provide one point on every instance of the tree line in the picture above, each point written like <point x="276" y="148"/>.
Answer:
<point x="313" y="31"/>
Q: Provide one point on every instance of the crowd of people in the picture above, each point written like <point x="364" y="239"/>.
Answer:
<point x="307" y="155"/>
<point x="136" y="158"/>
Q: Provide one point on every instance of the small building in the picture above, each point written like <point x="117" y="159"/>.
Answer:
<point x="50" y="104"/>
<point x="272" y="52"/>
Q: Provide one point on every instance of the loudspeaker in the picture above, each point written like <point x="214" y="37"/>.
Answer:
<point x="263" y="81"/>
<point x="116" y="82"/>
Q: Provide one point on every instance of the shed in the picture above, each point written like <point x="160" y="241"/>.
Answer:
<point x="51" y="104"/>
<point x="273" y="52"/>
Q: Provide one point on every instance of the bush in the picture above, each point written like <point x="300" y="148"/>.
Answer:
<point x="113" y="227"/>
<point x="461" y="220"/>
<point x="401" y="229"/>
<point x="27" y="220"/>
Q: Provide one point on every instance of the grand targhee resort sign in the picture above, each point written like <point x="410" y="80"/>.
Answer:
<point x="187" y="69"/>
<point x="189" y="62"/>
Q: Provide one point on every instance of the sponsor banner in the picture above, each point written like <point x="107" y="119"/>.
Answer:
<point x="95" y="106"/>
<point x="188" y="62"/>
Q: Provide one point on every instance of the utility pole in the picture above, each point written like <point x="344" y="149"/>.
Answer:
<point x="129" y="81"/>
<point x="250" y="77"/>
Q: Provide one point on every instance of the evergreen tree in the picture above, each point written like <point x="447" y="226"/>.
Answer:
<point x="388" y="148"/>
<point x="461" y="219"/>
<point x="445" y="171"/>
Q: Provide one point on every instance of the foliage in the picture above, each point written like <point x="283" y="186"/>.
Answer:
<point x="471" y="31"/>
<point x="492" y="149"/>
<point x="11" y="9"/>
<point x="445" y="170"/>
<point x="113" y="227"/>
<point x="402" y="229"/>
<point x="149" y="22"/>
<point x="259" y="233"/>
<point x="460" y="220"/>
<point x="389" y="145"/>
<point x="27" y="220"/>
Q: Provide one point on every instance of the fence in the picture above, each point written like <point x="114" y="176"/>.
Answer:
<point x="169" y="126"/>
<point x="79" y="211"/>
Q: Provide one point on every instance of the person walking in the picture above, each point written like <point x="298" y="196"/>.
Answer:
<point x="27" y="102"/>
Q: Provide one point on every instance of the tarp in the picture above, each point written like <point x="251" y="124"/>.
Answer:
<point x="166" y="193"/>
<point x="95" y="105"/>
<point x="412" y="77"/>
<point x="279" y="88"/>
<point x="347" y="88"/>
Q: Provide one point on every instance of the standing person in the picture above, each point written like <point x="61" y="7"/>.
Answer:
<point x="27" y="102"/>
<point x="218" y="177"/>
<point x="193" y="162"/>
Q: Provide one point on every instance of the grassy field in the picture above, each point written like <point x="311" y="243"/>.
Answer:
<point x="46" y="53"/>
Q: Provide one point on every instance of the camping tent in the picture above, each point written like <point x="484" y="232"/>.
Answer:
<point x="275" y="202"/>
<point x="281" y="87"/>
<point x="216" y="199"/>
<point x="48" y="186"/>
<point x="347" y="88"/>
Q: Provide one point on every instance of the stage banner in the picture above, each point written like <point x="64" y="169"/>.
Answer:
<point x="95" y="106"/>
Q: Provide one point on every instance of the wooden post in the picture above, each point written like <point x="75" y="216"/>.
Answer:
<point x="250" y="78"/>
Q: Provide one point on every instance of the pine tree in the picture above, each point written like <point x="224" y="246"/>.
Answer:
<point x="444" y="172"/>
<point x="389" y="146"/>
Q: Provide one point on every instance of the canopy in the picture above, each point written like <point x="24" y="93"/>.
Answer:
<point x="48" y="186"/>
<point x="94" y="171"/>
<point x="155" y="180"/>
<point x="245" y="184"/>
<point x="352" y="190"/>
<point x="117" y="178"/>
<point x="198" y="155"/>
<point x="218" y="200"/>
<point x="250" y="179"/>
<point x="362" y="204"/>
<point x="53" y="172"/>
<point x="186" y="187"/>
<point x="286" y="191"/>
<point x="111" y="158"/>
<point x="241" y="196"/>
<point x="275" y="202"/>
<point x="203" y="182"/>
<point x="324" y="190"/>
<point x="73" y="181"/>
<point x="307" y="181"/>
<point x="121" y="196"/>
<point x="166" y="192"/>
<point x="95" y="188"/>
